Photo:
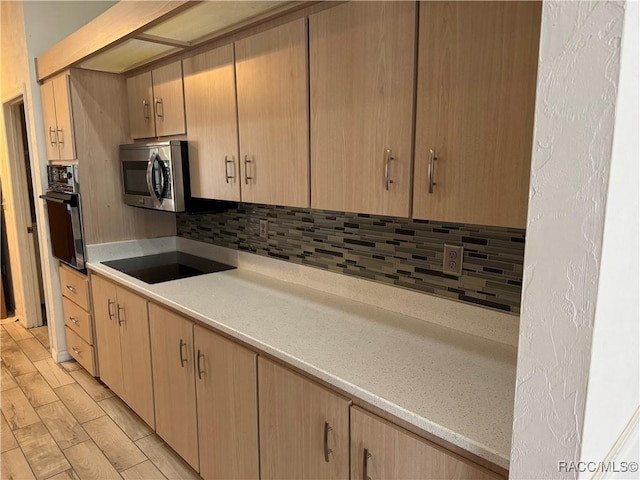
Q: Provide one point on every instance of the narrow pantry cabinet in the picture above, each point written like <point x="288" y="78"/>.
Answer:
<point x="156" y="102"/>
<point x="304" y="428"/>
<point x="383" y="451"/>
<point x="58" y="119"/>
<point x="362" y="67"/>
<point x="122" y="336"/>
<point x="77" y="319"/>
<point x="206" y="397"/>
<point x="477" y="64"/>
<point x="212" y="119"/>
<point x="271" y="69"/>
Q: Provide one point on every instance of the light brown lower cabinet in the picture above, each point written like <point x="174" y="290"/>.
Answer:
<point x="381" y="450"/>
<point x="304" y="428"/>
<point x="205" y="397"/>
<point x="122" y="338"/>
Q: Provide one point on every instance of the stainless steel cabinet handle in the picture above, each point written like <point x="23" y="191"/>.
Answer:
<point x="146" y="110"/>
<point x="59" y="135"/>
<point x="71" y="289"/>
<point x="327" y="450"/>
<point x="387" y="169"/>
<point x="77" y="352"/>
<point x="200" y="371"/>
<point x="120" y="309"/>
<point x="365" y="464"/>
<point x="52" y="134"/>
<point x="109" y="304"/>
<point x="74" y="320"/>
<point x="432" y="158"/>
<point x="227" y="177"/>
<point x="159" y="108"/>
<point x="183" y="360"/>
<point x="246" y="169"/>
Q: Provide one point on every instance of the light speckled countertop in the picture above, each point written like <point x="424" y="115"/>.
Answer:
<point x="457" y="386"/>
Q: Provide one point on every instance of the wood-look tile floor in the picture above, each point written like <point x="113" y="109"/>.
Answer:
<point x="58" y="422"/>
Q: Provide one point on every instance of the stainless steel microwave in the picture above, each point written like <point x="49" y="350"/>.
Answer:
<point x="156" y="175"/>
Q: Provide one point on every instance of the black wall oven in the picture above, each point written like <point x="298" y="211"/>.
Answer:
<point x="65" y="215"/>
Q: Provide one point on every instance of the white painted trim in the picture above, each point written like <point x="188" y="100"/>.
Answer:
<point x="623" y="445"/>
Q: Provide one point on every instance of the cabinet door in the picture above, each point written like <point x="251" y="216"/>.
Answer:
<point x="271" y="69"/>
<point x="361" y="60"/>
<point x="136" y="354"/>
<point x="64" y="117"/>
<point x="227" y="399"/>
<point x="210" y="107"/>
<point x="49" y="114"/>
<point x="105" y="306"/>
<point x="393" y="453"/>
<point x="477" y="65"/>
<point x="140" y="99"/>
<point x="300" y="422"/>
<point x="168" y="100"/>
<point x="173" y="381"/>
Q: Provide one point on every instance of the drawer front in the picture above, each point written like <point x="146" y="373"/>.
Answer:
<point x="81" y="351"/>
<point x="74" y="286"/>
<point x="78" y="320"/>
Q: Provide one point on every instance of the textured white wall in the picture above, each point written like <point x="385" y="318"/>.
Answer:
<point x="575" y="106"/>
<point x="613" y="394"/>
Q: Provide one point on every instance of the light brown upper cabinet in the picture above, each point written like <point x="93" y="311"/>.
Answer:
<point x="156" y="102"/>
<point x="271" y="76"/>
<point x="122" y="338"/>
<point x="58" y="119"/>
<point x="477" y="64"/>
<point x="381" y="450"/>
<point x="210" y="107"/>
<point x="304" y="428"/>
<point x="362" y="57"/>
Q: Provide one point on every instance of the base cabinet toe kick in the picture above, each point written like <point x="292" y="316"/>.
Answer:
<point x="231" y="412"/>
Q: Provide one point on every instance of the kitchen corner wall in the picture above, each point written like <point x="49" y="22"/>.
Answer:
<point x="397" y="251"/>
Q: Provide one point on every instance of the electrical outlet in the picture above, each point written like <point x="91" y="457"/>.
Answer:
<point x="452" y="262"/>
<point x="264" y="229"/>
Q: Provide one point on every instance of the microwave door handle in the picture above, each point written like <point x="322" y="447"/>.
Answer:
<point x="152" y="190"/>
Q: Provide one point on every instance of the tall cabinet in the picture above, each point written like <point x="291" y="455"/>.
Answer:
<point x="477" y="64"/>
<point x="271" y="69"/>
<point x="361" y="60"/>
<point x="210" y="107"/>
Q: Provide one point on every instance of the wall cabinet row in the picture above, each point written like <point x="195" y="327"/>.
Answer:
<point x="434" y="126"/>
<point x="233" y="414"/>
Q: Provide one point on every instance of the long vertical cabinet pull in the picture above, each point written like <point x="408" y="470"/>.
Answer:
<point x="146" y="110"/>
<point x="246" y="169"/>
<point x="327" y="450"/>
<point x="52" y="135"/>
<point x="387" y="169"/>
<point x="120" y="309"/>
<point x="432" y="159"/>
<point x="159" y="107"/>
<point x="365" y="464"/>
<point x="183" y="360"/>
<point x="59" y="136"/>
<point x="227" y="177"/>
<point x="110" y="303"/>
<point x="198" y="364"/>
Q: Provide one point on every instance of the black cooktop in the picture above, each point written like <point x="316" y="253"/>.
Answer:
<point x="163" y="267"/>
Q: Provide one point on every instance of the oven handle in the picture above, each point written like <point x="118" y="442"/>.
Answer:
<point x="60" y="198"/>
<point x="157" y="199"/>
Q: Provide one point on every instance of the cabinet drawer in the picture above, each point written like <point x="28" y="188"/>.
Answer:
<point x="78" y="320"/>
<point x="81" y="351"/>
<point x="74" y="286"/>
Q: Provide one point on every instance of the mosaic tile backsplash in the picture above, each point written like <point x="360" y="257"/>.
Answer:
<point x="398" y="251"/>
